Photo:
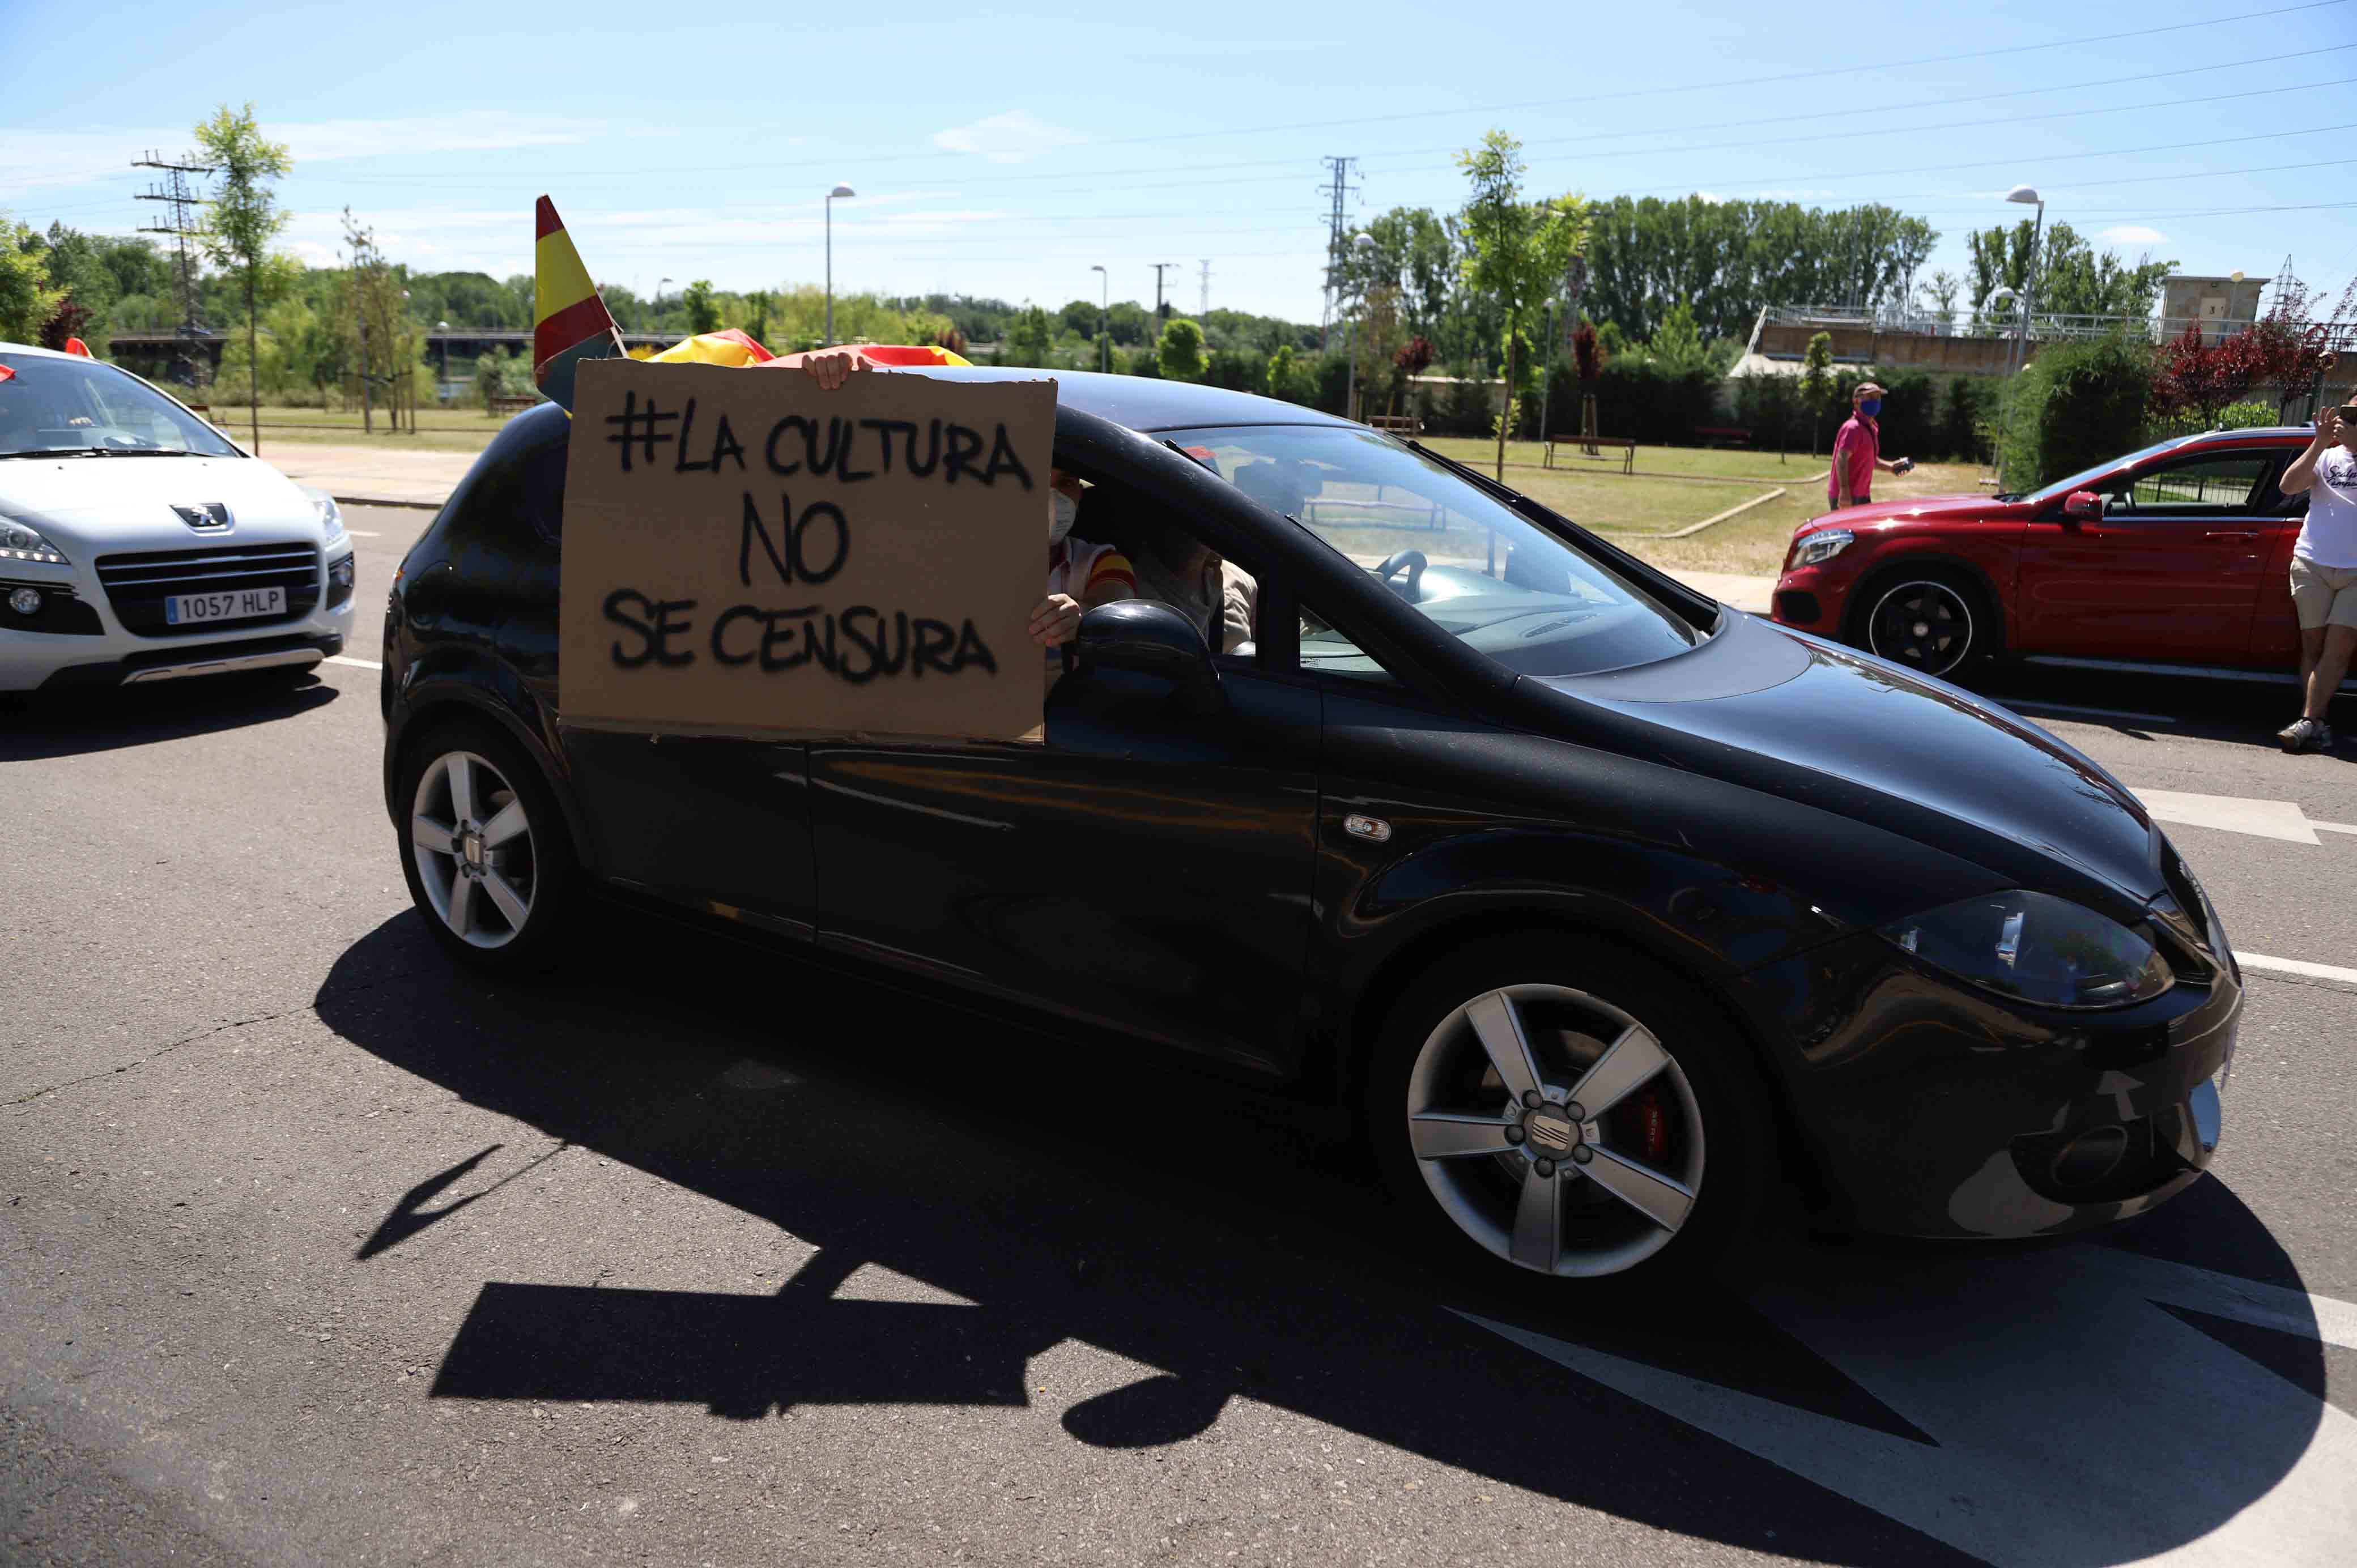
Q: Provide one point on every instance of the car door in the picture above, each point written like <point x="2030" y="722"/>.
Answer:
<point x="1143" y="866"/>
<point x="2170" y="573"/>
<point x="2275" y="625"/>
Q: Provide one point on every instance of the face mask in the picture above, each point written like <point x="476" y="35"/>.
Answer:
<point x="1871" y="407"/>
<point x="1062" y="510"/>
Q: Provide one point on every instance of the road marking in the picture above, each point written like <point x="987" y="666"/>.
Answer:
<point x="2260" y="819"/>
<point x="2295" y="966"/>
<point x="2089" y="713"/>
<point x="2334" y="827"/>
<point x="355" y="663"/>
<point x="2037" y="1356"/>
<point x="365" y="534"/>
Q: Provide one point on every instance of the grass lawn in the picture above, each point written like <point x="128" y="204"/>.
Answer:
<point x="1695" y="462"/>
<point x="438" y="429"/>
<point x="1754" y="544"/>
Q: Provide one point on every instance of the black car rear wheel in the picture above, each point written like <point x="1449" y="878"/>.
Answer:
<point x="484" y="847"/>
<point x="1566" y="1111"/>
<point x="1931" y="622"/>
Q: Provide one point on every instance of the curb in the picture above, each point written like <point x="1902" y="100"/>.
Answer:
<point x="386" y="500"/>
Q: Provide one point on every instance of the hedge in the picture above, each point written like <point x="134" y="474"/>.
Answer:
<point x="2075" y="405"/>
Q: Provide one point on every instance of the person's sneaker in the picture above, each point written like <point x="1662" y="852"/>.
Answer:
<point x="2305" y="734"/>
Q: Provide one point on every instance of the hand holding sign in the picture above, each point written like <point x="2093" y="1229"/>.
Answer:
<point x="747" y="552"/>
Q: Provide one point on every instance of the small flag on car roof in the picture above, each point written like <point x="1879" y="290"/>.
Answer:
<point x="570" y="323"/>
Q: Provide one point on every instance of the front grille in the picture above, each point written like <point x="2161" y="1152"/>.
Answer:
<point x="137" y="585"/>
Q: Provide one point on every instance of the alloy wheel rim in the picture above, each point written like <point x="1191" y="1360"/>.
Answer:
<point x="1555" y="1131"/>
<point x="1926" y="627"/>
<point x="471" y="840"/>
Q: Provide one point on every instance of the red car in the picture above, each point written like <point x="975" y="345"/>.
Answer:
<point x="2176" y="557"/>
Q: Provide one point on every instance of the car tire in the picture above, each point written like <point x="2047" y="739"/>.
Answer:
<point x="499" y="902"/>
<point x="1933" y="620"/>
<point x="1654" y="1186"/>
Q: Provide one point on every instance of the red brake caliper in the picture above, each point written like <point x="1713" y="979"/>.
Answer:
<point x="1654" y="1123"/>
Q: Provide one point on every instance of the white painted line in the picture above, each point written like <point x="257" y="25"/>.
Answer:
<point x="2089" y="713"/>
<point x="355" y="663"/>
<point x="2295" y="966"/>
<point x="2334" y="827"/>
<point x="365" y="534"/>
<point x="2260" y="819"/>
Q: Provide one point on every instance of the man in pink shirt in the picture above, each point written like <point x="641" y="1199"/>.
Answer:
<point x="1858" y="451"/>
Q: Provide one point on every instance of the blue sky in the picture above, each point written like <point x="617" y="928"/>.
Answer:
<point x="1003" y="150"/>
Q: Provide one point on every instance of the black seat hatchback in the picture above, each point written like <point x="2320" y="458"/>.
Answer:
<point x="1607" y="905"/>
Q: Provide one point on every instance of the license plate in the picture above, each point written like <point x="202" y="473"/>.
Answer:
<point x="236" y="604"/>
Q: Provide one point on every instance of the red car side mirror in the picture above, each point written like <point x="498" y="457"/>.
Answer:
<point x="2083" y="503"/>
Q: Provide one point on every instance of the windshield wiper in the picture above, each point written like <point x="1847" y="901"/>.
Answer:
<point x="102" y="452"/>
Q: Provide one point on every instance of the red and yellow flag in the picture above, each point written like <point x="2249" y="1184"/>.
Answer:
<point x="570" y="322"/>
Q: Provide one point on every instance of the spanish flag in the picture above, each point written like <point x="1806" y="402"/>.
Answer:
<point x="570" y="322"/>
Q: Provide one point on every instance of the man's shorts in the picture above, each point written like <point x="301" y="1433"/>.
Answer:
<point x="2323" y="595"/>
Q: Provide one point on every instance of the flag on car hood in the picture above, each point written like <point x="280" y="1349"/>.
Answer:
<point x="570" y="323"/>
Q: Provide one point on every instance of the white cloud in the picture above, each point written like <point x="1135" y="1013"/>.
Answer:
<point x="34" y="160"/>
<point x="1009" y="138"/>
<point x="2132" y="234"/>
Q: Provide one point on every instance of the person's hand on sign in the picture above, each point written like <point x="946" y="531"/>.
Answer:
<point x="1056" y="620"/>
<point x="830" y="368"/>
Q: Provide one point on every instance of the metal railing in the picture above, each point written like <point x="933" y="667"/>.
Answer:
<point x="2045" y="325"/>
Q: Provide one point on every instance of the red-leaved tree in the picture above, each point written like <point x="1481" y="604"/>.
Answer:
<point x="68" y="322"/>
<point x="2285" y="348"/>
<point x="1587" y="357"/>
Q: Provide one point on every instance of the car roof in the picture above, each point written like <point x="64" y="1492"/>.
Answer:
<point x="1144" y="403"/>
<point x="37" y="349"/>
<point x="2254" y="433"/>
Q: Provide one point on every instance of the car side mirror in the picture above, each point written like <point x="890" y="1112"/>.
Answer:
<point x="1144" y="637"/>
<point x="2084" y="504"/>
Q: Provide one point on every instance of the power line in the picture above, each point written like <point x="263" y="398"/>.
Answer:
<point x="180" y="201"/>
<point x="1340" y="190"/>
<point x="1204" y="308"/>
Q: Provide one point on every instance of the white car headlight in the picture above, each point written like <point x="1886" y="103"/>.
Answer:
<point x="18" y="543"/>
<point x="1820" y="547"/>
<point x="331" y="517"/>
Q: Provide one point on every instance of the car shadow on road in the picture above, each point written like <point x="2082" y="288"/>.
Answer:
<point x="1233" y="1242"/>
<point x="77" y="721"/>
<point x="2159" y="708"/>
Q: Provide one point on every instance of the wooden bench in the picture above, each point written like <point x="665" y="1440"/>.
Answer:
<point x="512" y="404"/>
<point x="1625" y="445"/>
<point x="1725" y="437"/>
<point x="1399" y="424"/>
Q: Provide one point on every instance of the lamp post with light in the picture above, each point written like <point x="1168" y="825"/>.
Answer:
<point x="2024" y="303"/>
<point x="1362" y="246"/>
<point x="1105" y="318"/>
<point x="840" y="189"/>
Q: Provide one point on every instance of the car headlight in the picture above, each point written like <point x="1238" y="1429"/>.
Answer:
<point x="1824" y="546"/>
<point x="18" y="543"/>
<point x="2039" y="949"/>
<point x="331" y="517"/>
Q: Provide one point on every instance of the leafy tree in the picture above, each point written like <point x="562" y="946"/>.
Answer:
<point x="1180" y="353"/>
<point x="1677" y="347"/>
<point x="1517" y="250"/>
<point x="242" y="218"/>
<point x="1941" y="293"/>
<point x="1285" y="373"/>
<point x="1589" y="354"/>
<point x="703" y="314"/>
<point x="26" y="300"/>
<point x="2074" y="405"/>
<point x="69" y="322"/>
<point x="1818" y="389"/>
<point x="2072" y="279"/>
<point x="1030" y="338"/>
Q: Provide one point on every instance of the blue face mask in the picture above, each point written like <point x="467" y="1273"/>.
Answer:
<point x="1871" y="407"/>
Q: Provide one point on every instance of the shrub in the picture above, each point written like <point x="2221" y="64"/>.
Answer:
<point x="2074" y="405"/>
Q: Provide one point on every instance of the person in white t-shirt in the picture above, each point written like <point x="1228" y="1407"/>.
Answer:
<point x="2324" y="571"/>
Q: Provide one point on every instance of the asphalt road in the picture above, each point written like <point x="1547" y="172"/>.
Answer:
<point x="318" y="1249"/>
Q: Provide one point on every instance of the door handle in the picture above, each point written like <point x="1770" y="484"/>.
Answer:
<point x="2229" y="533"/>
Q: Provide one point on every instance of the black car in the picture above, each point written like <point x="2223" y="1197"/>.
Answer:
<point x="1612" y="910"/>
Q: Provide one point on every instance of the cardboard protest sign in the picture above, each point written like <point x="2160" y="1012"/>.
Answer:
<point x="745" y="553"/>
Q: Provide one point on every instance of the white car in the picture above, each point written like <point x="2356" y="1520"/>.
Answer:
<point x="139" y="544"/>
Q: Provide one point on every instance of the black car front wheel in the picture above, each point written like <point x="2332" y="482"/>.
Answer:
<point x="1931" y="622"/>
<point x="483" y="845"/>
<point x="1569" y="1114"/>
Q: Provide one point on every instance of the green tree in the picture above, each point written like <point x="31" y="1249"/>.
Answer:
<point x="1677" y="348"/>
<point x="703" y="313"/>
<point x="26" y="300"/>
<point x="2074" y="405"/>
<point x="1030" y="338"/>
<point x="242" y="220"/>
<point x="1285" y="373"/>
<point x="1518" y="251"/>
<point x="1818" y="388"/>
<point x="2072" y="280"/>
<point x="1179" y="353"/>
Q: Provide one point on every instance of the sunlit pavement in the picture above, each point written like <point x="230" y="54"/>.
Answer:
<point x="316" y="1249"/>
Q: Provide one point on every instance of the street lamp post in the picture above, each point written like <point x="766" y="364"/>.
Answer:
<point x="644" y="325"/>
<point x="1361" y="245"/>
<point x="840" y="189"/>
<point x="1105" y="318"/>
<point x="2024" y="303"/>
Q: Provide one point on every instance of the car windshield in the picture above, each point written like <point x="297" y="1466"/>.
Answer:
<point x="1474" y="566"/>
<point x="2086" y="476"/>
<point x="80" y="405"/>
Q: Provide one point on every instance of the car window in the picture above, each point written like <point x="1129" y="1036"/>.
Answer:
<point x="74" y="404"/>
<point x="1512" y="590"/>
<point x="2085" y="477"/>
<point x="2219" y="484"/>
